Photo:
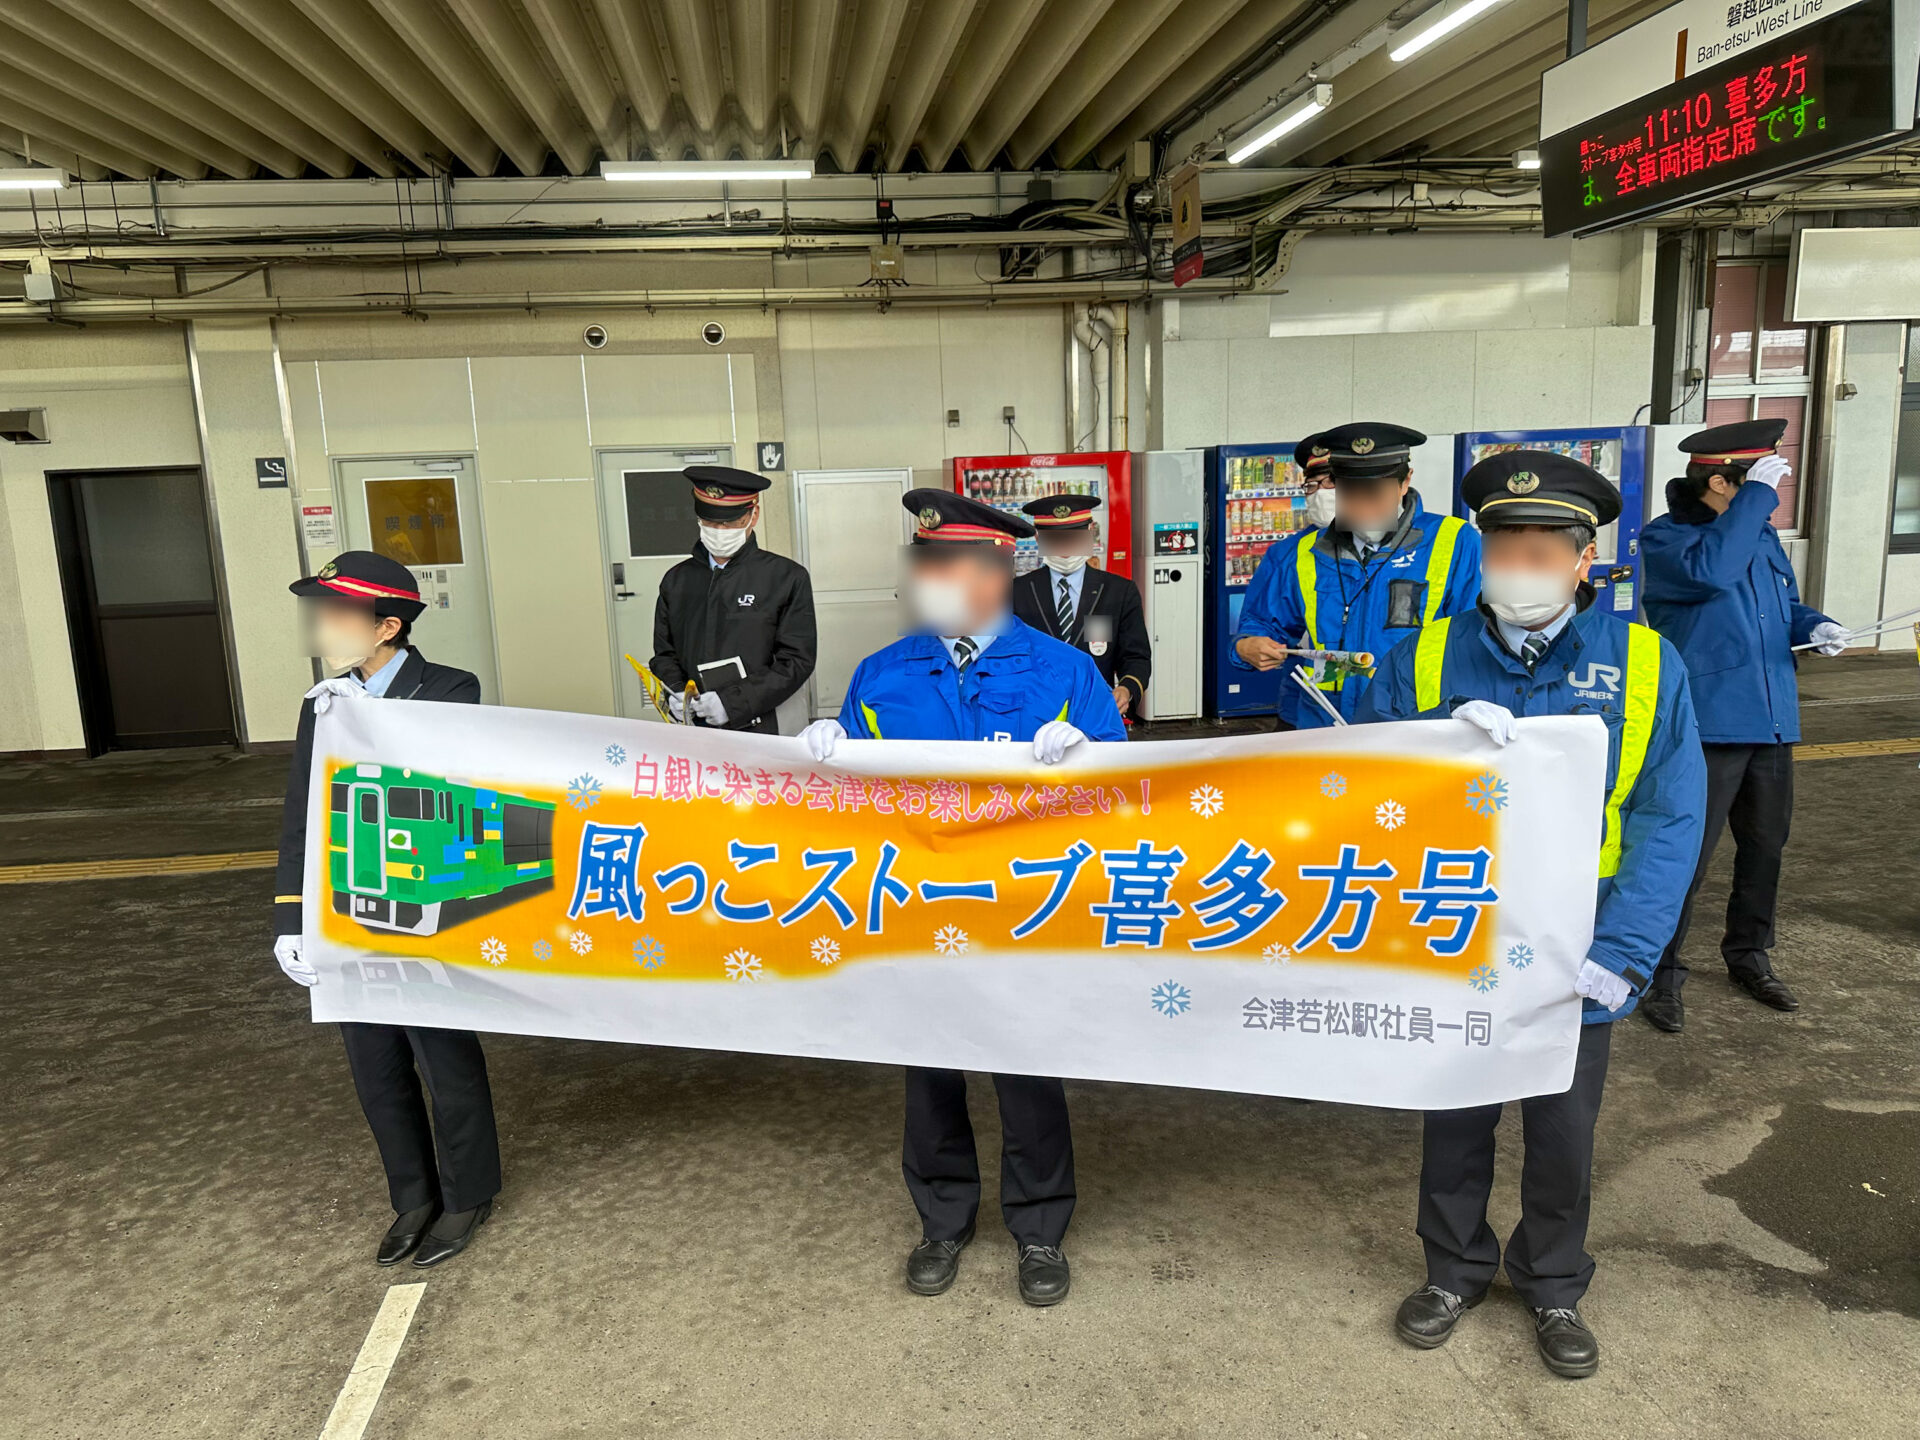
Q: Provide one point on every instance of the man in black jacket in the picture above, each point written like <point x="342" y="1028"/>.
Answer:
<point x="735" y="619"/>
<point x="441" y="1177"/>
<point x="1089" y="609"/>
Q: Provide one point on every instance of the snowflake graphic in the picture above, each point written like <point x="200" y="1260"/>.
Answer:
<point x="1171" y="998"/>
<point x="493" y="951"/>
<point x="1207" y="801"/>
<point x="580" y="941"/>
<point x="950" y="940"/>
<point x="616" y="755"/>
<point x="1333" y="785"/>
<point x="1389" y="814"/>
<point x="743" y="967"/>
<point x="1483" y="978"/>
<point x="1486" y="794"/>
<point x="542" y="949"/>
<point x="826" y="949"/>
<point x="1276" y="954"/>
<point x="1519" y="956"/>
<point x="649" y="953"/>
<point x="583" y="792"/>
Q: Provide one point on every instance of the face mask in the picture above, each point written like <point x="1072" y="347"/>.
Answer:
<point x="1065" y="564"/>
<point x="1320" y="505"/>
<point x="941" y="605"/>
<point x="1525" y="597"/>
<point x="341" y="649"/>
<point x="721" y="542"/>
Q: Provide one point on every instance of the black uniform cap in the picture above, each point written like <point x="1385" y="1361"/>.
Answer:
<point x="1369" y="449"/>
<point x="371" y="579"/>
<point x="1313" y="457"/>
<point x="1062" y="512"/>
<point x="943" y="518"/>
<point x="1737" y="445"/>
<point x="1538" y="487"/>
<point x="722" y="493"/>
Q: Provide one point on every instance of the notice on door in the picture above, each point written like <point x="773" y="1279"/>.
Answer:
<point x="415" y="520"/>
<point x="317" y="528"/>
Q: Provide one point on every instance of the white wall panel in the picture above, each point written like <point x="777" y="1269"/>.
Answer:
<point x="1426" y="381"/>
<point x="1901" y="594"/>
<point x="641" y="400"/>
<point x="1281" y="390"/>
<point x="1194" y="385"/>
<point x="1622" y="375"/>
<point x="396" y="407"/>
<point x="1859" y="494"/>
<point x="877" y="390"/>
<point x="1532" y="378"/>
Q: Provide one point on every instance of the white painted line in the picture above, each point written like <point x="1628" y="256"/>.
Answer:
<point x="368" y="1378"/>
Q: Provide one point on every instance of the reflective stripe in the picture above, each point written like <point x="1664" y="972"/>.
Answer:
<point x="1065" y="705"/>
<point x="1307" y="570"/>
<point x="1636" y="731"/>
<point x="1429" y="656"/>
<point x="873" y="720"/>
<point x="1439" y="563"/>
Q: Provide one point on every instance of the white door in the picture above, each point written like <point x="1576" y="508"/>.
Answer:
<point x="646" y="528"/>
<point x="851" y="526"/>
<point x="424" y="511"/>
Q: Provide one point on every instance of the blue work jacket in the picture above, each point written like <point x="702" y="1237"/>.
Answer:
<point x="910" y="691"/>
<point x="1429" y="568"/>
<point x="1596" y="665"/>
<point x="1721" y="589"/>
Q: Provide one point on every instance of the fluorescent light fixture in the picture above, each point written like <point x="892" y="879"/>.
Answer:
<point x="1291" y="118"/>
<point x="1441" y="28"/>
<point x="707" y="170"/>
<point x="36" y="177"/>
<point x="1526" y="159"/>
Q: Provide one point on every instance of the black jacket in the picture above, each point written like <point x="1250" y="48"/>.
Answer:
<point x="758" y="606"/>
<point x="1126" y="658"/>
<point x="419" y="679"/>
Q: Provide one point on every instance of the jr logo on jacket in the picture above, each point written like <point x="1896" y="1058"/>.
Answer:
<point x="1587" y="684"/>
<point x="745" y="602"/>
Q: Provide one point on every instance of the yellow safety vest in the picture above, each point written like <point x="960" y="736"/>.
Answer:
<point x="1637" y="705"/>
<point x="1307" y="570"/>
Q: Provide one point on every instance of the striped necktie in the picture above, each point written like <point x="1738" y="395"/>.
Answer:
<point x="964" y="649"/>
<point x="1063" y="608"/>
<point x="1535" y="646"/>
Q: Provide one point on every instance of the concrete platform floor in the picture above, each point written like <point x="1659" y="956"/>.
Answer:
<point x="706" y="1244"/>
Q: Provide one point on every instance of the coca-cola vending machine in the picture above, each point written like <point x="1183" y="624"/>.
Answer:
<point x="1009" y="482"/>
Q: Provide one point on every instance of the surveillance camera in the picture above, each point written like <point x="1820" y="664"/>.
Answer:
<point x="713" y="333"/>
<point x="595" y="337"/>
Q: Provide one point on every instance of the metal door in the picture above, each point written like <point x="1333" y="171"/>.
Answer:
<point x="646" y="528"/>
<point x="424" y="511"/>
<point x="851" y="527"/>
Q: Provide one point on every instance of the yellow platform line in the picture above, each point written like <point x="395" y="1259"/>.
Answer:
<point x="129" y="869"/>
<point x="1850" y="748"/>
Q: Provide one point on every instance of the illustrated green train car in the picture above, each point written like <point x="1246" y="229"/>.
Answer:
<point x="411" y="852"/>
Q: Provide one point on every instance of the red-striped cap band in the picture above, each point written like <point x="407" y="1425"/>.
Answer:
<point x="951" y="531"/>
<point x="1730" y="456"/>
<point x="366" y="589"/>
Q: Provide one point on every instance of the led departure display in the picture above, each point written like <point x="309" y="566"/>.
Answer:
<point x="1821" y="91"/>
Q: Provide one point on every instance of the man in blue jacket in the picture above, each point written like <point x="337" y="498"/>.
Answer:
<point x="1719" y="586"/>
<point x="972" y="671"/>
<point x="1539" y="646"/>
<point x="1375" y="572"/>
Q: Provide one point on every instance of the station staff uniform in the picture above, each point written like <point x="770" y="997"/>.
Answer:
<point x="1721" y="589"/>
<point x="452" y="1164"/>
<point x="1327" y="589"/>
<point x="1002" y="686"/>
<point x="754" y="606"/>
<point x="1089" y="609"/>
<point x="1655" y="788"/>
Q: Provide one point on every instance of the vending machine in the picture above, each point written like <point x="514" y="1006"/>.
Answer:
<point x="1618" y="452"/>
<point x="1008" y="482"/>
<point x="1254" y="498"/>
<point x="1169" y="530"/>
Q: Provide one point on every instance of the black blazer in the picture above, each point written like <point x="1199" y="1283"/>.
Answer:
<point x="1127" y="657"/>
<point x="759" y="607"/>
<point x="419" y="679"/>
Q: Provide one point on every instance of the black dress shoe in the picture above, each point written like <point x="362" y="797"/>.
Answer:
<point x="1426" y="1317"/>
<point x="1565" y="1343"/>
<point x="1664" y="1011"/>
<point x="934" y="1264"/>
<point x="451" y="1234"/>
<point x="404" y="1235"/>
<point x="1044" y="1278"/>
<point x="1768" y="989"/>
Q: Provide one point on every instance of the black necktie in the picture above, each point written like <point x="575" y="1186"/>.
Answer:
<point x="1063" y="609"/>
<point x="963" y="652"/>
<point x="1535" y="647"/>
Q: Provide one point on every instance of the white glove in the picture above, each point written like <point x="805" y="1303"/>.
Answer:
<point x="1829" y="638"/>
<point x="1769" y="470"/>
<point x="677" y="707"/>
<point x="323" y="693"/>
<point x="1496" y="720"/>
<point x="287" y="951"/>
<point x="821" y="736"/>
<point x="708" y="707"/>
<point x="1601" y="985"/>
<point x="1051" y="740"/>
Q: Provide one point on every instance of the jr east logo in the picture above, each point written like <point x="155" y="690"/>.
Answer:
<point x="1589" y="683"/>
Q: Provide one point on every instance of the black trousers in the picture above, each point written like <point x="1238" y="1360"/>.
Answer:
<point x="1036" y="1156"/>
<point x="455" y="1162"/>
<point x="1547" y="1260"/>
<point x="1750" y="791"/>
